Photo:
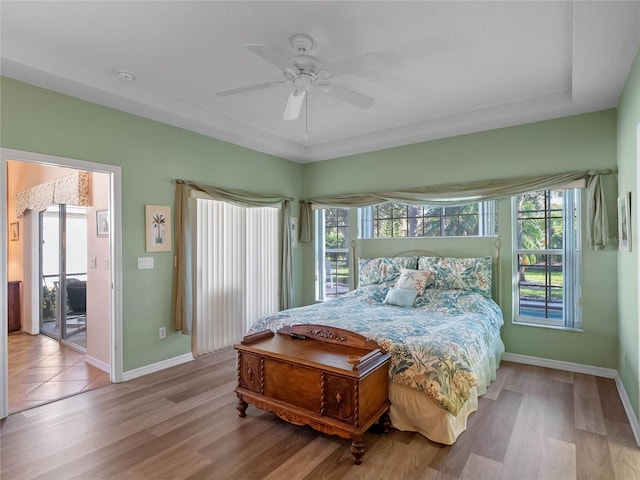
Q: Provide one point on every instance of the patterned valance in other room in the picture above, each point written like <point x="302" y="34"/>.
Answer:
<point x="71" y="190"/>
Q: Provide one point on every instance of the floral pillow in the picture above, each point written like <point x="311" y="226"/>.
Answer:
<point x="471" y="274"/>
<point x="383" y="269"/>
<point x="417" y="280"/>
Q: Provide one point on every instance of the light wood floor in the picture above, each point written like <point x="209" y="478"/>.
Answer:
<point x="181" y="423"/>
<point x="41" y="370"/>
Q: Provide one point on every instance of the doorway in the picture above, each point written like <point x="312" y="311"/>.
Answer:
<point x="70" y="320"/>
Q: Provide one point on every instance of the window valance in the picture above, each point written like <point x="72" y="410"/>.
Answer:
<point x="458" y="193"/>
<point x="71" y="189"/>
<point x="182" y="286"/>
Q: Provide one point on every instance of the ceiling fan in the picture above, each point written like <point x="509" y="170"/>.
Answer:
<point x="304" y="71"/>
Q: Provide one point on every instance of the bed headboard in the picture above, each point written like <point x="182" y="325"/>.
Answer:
<point x="497" y="245"/>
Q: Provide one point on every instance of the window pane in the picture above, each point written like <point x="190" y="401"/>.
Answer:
<point x="399" y="210"/>
<point x="432" y="226"/>
<point x="337" y="281"/>
<point x="384" y="211"/>
<point x="539" y="220"/>
<point x="540" y="286"/>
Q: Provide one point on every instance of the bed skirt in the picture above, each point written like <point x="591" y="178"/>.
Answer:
<point x="413" y="411"/>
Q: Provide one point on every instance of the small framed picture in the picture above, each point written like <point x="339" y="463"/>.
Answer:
<point x="157" y="228"/>
<point x="102" y="223"/>
<point x="14" y="231"/>
<point x="624" y="222"/>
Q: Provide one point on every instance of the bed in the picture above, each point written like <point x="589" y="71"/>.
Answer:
<point x="436" y="318"/>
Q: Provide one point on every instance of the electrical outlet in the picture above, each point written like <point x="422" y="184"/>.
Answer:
<point x="162" y="332"/>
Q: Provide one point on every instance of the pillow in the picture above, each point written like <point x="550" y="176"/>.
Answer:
<point x="417" y="280"/>
<point x="383" y="269"/>
<point x="402" y="297"/>
<point x="470" y="274"/>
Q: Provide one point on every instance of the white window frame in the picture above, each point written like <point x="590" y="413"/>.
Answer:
<point x="320" y="255"/>
<point x="571" y="254"/>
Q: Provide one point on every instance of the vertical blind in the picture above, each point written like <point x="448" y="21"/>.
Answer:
<point x="236" y="271"/>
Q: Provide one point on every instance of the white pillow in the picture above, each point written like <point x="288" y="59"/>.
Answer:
<point x="417" y="280"/>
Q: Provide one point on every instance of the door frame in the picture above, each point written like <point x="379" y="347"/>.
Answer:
<point x="115" y="250"/>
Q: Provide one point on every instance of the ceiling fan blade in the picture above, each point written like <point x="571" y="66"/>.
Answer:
<point x="270" y="55"/>
<point x="357" y="65"/>
<point x="294" y="105"/>
<point x="249" y="88"/>
<point x="354" y="98"/>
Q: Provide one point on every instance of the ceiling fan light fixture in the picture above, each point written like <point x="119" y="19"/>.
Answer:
<point x="303" y="81"/>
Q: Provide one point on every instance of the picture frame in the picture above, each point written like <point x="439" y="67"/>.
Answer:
<point x="14" y="231"/>
<point x="157" y="228"/>
<point x="102" y="223"/>
<point x="624" y="222"/>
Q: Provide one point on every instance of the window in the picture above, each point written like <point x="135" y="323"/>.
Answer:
<point x="547" y="258"/>
<point x="390" y="220"/>
<point x="332" y="252"/>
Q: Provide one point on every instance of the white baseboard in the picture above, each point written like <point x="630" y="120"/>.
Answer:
<point x="156" y="367"/>
<point x="99" y="364"/>
<point x="635" y="426"/>
<point x="560" y="365"/>
<point x="588" y="370"/>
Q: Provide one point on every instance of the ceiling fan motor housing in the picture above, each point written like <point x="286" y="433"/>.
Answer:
<point x="301" y="42"/>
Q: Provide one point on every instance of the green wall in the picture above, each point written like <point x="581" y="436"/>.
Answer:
<point x="574" y="143"/>
<point x="628" y="157"/>
<point x="151" y="155"/>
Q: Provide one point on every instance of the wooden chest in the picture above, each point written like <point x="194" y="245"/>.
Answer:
<point x="331" y="379"/>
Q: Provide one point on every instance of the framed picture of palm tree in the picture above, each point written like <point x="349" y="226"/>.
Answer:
<point x="157" y="228"/>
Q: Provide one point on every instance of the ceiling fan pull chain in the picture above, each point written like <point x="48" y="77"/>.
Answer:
<point x="306" y="117"/>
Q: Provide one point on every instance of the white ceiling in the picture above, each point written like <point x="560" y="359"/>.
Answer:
<point x="448" y="68"/>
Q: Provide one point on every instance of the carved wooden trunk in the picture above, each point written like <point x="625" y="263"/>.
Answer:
<point x="334" y="380"/>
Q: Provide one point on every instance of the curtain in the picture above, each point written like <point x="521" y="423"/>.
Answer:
<point x="457" y="193"/>
<point x="182" y="285"/>
<point x="598" y="224"/>
<point x="286" y="267"/>
<point x="236" y="274"/>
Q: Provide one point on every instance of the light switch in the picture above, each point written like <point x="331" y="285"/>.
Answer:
<point x="93" y="262"/>
<point x="145" y="263"/>
<point x="105" y="263"/>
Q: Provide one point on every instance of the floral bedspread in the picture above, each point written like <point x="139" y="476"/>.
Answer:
<point x="436" y="347"/>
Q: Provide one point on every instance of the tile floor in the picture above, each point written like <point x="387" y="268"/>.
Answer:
<point x="41" y="371"/>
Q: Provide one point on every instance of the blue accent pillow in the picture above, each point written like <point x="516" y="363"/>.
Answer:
<point x="402" y="297"/>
